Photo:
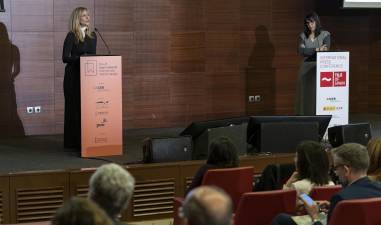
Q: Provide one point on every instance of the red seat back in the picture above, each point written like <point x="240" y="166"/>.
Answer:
<point x="324" y="192"/>
<point x="357" y="212"/>
<point x="177" y="203"/>
<point x="260" y="208"/>
<point x="234" y="181"/>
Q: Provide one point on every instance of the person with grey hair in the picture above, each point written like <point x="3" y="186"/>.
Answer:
<point x="207" y="205"/>
<point x="111" y="187"/>
<point x="351" y="162"/>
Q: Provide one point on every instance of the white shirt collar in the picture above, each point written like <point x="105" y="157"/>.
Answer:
<point x="83" y="29"/>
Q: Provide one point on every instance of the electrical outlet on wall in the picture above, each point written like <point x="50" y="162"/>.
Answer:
<point x="29" y="109"/>
<point x="37" y="109"/>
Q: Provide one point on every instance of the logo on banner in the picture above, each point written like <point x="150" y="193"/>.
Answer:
<point x="333" y="79"/>
<point x="326" y="79"/>
<point x="91" y="68"/>
<point x="340" y="79"/>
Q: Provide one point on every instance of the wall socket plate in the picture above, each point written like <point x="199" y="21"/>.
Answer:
<point x="37" y="109"/>
<point x="255" y="98"/>
<point x="30" y="109"/>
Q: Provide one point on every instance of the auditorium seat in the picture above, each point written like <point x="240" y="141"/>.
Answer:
<point x="324" y="193"/>
<point x="259" y="208"/>
<point x="177" y="203"/>
<point x="234" y="181"/>
<point x="357" y="212"/>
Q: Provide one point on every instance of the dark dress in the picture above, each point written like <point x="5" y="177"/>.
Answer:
<point x="306" y="84"/>
<point x="72" y="50"/>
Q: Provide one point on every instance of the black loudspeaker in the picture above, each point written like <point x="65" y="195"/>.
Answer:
<point x="170" y="149"/>
<point x="236" y="133"/>
<point x="283" y="137"/>
<point x="356" y="133"/>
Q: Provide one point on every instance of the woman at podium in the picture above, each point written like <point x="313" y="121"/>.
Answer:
<point x="313" y="39"/>
<point x="80" y="40"/>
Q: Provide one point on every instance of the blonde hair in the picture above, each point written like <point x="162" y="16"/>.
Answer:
<point x="374" y="150"/>
<point x="75" y="26"/>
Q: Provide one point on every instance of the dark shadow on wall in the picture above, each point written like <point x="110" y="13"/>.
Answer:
<point x="261" y="74"/>
<point x="10" y="123"/>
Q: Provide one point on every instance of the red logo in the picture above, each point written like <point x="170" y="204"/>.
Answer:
<point x="326" y="79"/>
<point x="340" y="79"/>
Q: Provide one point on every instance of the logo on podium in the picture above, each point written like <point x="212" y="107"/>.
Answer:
<point x="91" y="68"/>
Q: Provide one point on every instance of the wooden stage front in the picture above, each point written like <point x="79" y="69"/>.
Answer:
<point x="37" y="175"/>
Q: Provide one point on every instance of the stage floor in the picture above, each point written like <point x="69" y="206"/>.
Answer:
<point x="46" y="152"/>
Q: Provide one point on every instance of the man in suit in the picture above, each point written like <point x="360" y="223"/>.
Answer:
<point x="351" y="162"/>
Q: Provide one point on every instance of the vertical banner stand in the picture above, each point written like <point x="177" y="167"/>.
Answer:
<point x="332" y="86"/>
<point x="101" y="106"/>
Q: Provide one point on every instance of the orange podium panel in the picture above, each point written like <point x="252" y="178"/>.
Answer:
<point x="101" y="106"/>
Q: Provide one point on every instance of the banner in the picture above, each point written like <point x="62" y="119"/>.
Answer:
<point x="101" y="106"/>
<point x="332" y="86"/>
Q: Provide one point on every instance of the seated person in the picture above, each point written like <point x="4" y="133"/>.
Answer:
<point x="351" y="163"/>
<point x="312" y="169"/>
<point x="80" y="211"/>
<point x="374" y="150"/>
<point x="112" y="187"/>
<point x="207" y="205"/>
<point x="222" y="154"/>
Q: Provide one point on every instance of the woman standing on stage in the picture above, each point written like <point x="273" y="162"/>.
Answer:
<point x="313" y="39"/>
<point x="80" y="40"/>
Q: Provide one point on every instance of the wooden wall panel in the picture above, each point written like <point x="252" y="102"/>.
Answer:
<point x="374" y="78"/>
<point x="4" y="200"/>
<point x="182" y="60"/>
<point x="36" y="196"/>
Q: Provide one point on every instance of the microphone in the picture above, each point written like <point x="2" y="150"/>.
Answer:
<point x="108" y="49"/>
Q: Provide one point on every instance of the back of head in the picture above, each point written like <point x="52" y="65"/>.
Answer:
<point x="207" y="205"/>
<point x="79" y="211"/>
<point x="313" y="163"/>
<point x="111" y="186"/>
<point x="223" y="153"/>
<point x="353" y="155"/>
<point x="374" y="150"/>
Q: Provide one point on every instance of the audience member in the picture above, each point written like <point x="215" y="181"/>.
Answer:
<point x="79" y="211"/>
<point x="312" y="169"/>
<point x="222" y="154"/>
<point x="207" y="205"/>
<point x="351" y="163"/>
<point x="111" y="187"/>
<point x="374" y="149"/>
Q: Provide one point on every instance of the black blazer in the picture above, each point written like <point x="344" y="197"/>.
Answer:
<point x="362" y="188"/>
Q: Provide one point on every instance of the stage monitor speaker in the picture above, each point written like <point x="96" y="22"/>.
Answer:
<point x="236" y="133"/>
<point x="169" y="149"/>
<point x="356" y="133"/>
<point x="283" y="137"/>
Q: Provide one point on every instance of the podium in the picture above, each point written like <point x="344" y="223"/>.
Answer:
<point x="332" y="86"/>
<point x="101" y="105"/>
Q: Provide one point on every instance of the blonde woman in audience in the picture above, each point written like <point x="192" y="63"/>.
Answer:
<point x="312" y="168"/>
<point x="80" y="211"/>
<point x="374" y="150"/>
